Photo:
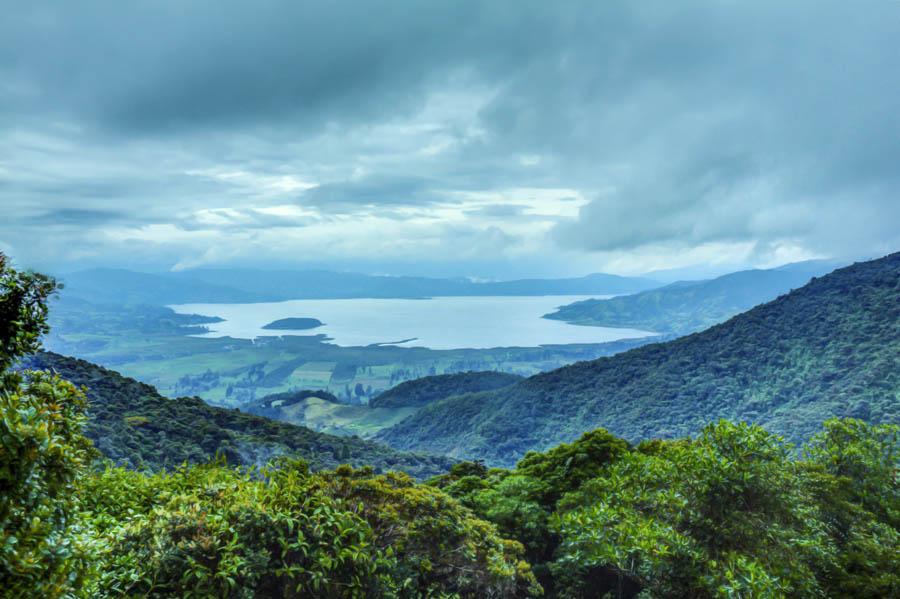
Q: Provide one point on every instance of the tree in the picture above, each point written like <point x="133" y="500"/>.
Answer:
<point x="725" y="515"/>
<point x="852" y="470"/>
<point x="23" y="311"/>
<point x="42" y="453"/>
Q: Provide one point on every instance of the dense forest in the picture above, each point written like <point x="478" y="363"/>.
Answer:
<point x="727" y="514"/>
<point x="830" y="348"/>
<point x="428" y="389"/>
<point x="689" y="306"/>
<point x="133" y="425"/>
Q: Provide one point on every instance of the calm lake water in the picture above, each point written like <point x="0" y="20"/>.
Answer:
<point x="437" y="323"/>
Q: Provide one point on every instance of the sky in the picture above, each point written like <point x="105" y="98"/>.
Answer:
<point x="488" y="139"/>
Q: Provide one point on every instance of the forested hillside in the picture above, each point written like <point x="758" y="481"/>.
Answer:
<point x="423" y="391"/>
<point x="133" y="425"/>
<point x="830" y="348"/>
<point x="689" y="306"/>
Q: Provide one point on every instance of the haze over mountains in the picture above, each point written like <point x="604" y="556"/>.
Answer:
<point x="687" y="306"/>
<point x="256" y="285"/>
<point x="829" y="348"/>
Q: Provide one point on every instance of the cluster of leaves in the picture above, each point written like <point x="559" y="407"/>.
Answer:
<point x="134" y="426"/>
<point x="425" y="390"/>
<point x="828" y="349"/>
<point x="42" y="453"/>
<point x="213" y="531"/>
<point x="728" y="514"/>
<point x="23" y="311"/>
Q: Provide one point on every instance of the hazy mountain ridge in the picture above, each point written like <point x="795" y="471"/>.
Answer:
<point x="251" y="285"/>
<point x="830" y="348"/>
<point x="688" y="306"/>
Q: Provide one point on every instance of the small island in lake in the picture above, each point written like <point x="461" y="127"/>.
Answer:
<point x="293" y="324"/>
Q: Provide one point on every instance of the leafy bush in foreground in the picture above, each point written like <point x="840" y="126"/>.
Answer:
<point x="213" y="531"/>
<point x="729" y="514"/>
<point x="216" y="531"/>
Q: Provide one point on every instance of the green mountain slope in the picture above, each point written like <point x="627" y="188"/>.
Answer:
<point x="830" y="348"/>
<point x="423" y="391"/>
<point x="132" y="424"/>
<point x="685" y="307"/>
<point x="324" y="412"/>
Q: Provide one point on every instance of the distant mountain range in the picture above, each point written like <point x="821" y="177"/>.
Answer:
<point x="117" y="286"/>
<point x="689" y="306"/>
<point x="829" y="348"/>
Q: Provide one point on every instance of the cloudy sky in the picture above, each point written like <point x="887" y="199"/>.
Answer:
<point x="493" y="138"/>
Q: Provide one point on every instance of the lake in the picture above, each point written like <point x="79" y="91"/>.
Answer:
<point x="436" y="323"/>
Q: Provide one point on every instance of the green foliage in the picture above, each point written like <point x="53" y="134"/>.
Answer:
<point x="23" y="311"/>
<point x="133" y="425"/>
<point x="425" y="390"/>
<point x="731" y="513"/>
<point x="211" y="531"/>
<point x="828" y="349"/>
<point x="568" y="465"/>
<point x="214" y="531"/>
<point x="864" y="456"/>
<point x="521" y="502"/>
<point x="42" y="453"/>
<point x="852" y="469"/>
<point x="686" y="520"/>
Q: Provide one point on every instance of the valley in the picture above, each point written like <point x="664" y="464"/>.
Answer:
<point x="188" y="354"/>
<point x="657" y="446"/>
<point x="830" y="348"/>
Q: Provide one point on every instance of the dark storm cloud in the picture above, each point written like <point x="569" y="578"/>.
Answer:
<point x="164" y="66"/>
<point x="684" y="123"/>
<point x="500" y="210"/>
<point x="80" y="217"/>
<point x="371" y="191"/>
